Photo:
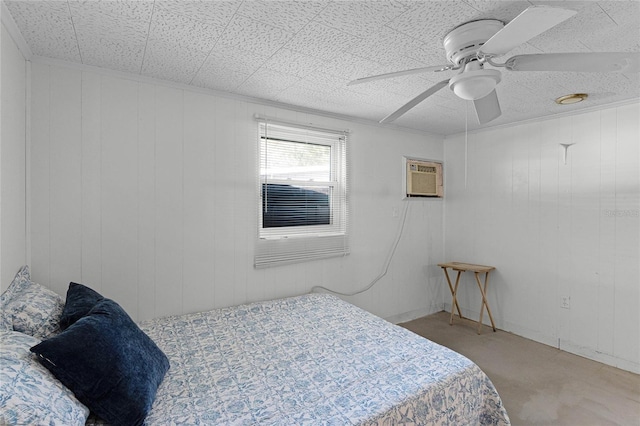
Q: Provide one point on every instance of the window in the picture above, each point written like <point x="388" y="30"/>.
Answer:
<point x="302" y="187"/>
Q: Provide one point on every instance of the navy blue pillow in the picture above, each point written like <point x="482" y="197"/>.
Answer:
<point x="110" y="365"/>
<point x="80" y="300"/>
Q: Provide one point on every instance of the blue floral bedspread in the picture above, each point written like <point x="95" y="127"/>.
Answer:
<point x="312" y="360"/>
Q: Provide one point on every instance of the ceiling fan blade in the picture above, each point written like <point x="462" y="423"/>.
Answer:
<point x="487" y="108"/>
<point x="531" y="22"/>
<point x="626" y="62"/>
<point x="415" y="101"/>
<point x="399" y="74"/>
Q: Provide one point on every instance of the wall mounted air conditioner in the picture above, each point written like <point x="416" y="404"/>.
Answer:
<point x="424" y="178"/>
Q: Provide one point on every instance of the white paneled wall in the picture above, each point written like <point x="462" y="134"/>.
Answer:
<point x="554" y="230"/>
<point x="13" y="241"/>
<point x="148" y="193"/>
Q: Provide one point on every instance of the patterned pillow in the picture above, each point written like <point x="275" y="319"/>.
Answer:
<point x="31" y="308"/>
<point x="29" y="393"/>
<point x="18" y="283"/>
<point x="5" y="321"/>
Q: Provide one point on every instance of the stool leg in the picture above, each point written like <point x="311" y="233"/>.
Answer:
<point x="485" y="303"/>
<point x="482" y="305"/>
<point x="455" y="302"/>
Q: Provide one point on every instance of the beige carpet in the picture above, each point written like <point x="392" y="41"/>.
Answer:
<point x="540" y="385"/>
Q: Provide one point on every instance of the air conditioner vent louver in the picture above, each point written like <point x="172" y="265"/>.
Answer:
<point x="423" y="168"/>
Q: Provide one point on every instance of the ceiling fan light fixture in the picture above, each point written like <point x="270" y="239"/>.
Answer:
<point x="474" y="85"/>
<point x="571" y="99"/>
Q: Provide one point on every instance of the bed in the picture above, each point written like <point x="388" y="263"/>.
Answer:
<point x="313" y="359"/>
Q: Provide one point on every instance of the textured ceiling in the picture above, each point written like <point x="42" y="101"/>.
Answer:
<point x="304" y="53"/>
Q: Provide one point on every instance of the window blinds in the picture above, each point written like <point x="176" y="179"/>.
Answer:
<point x="302" y="187"/>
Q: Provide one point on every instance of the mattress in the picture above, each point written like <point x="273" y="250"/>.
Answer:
<point x="316" y="360"/>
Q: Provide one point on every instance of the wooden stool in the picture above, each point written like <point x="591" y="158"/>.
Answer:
<point x="477" y="270"/>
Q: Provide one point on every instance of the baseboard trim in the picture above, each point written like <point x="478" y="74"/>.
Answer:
<point x="553" y="341"/>
<point x="602" y="357"/>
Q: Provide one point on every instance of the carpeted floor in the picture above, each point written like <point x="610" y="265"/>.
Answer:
<point x="538" y="384"/>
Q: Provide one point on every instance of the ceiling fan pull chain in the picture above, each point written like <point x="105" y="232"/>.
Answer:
<point x="466" y="134"/>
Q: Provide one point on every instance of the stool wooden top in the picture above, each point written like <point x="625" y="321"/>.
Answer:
<point x="461" y="266"/>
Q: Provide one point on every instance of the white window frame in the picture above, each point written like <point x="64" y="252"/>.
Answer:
<point x="282" y="245"/>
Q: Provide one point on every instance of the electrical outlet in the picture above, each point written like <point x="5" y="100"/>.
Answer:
<point x="394" y="212"/>
<point x="565" y="302"/>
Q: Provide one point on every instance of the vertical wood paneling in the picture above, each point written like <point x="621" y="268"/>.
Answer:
<point x="224" y="218"/>
<point x="65" y="178"/>
<point x="535" y="293"/>
<point x="40" y="171"/>
<point x="607" y="231"/>
<point x="243" y="167"/>
<point x="13" y="241"/>
<point x="199" y="201"/>
<point x="564" y="134"/>
<point x="627" y="228"/>
<point x="558" y="229"/>
<point x="146" y="228"/>
<point x="549" y="236"/>
<point x="119" y="191"/>
<point x="585" y="217"/>
<point x="169" y="217"/>
<point x="91" y="181"/>
<point x="163" y="199"/>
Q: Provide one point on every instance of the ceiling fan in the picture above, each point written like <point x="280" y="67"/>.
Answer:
<point x="471" y="46"/>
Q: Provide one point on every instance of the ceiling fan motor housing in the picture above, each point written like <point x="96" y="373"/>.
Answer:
<point x="467" y="39"/>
